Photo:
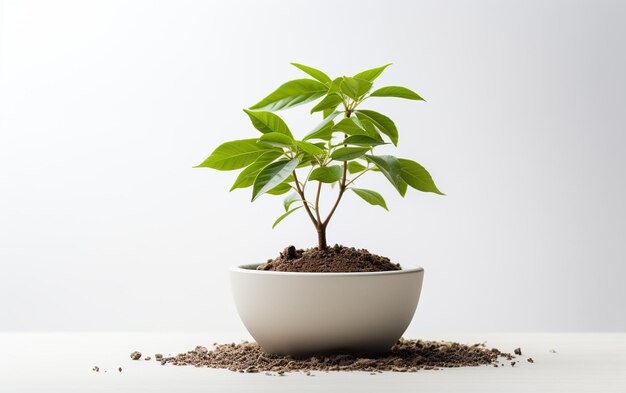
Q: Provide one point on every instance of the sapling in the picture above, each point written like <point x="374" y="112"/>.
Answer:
<point x="337" y="152"/>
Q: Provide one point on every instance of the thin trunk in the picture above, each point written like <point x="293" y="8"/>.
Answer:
<point x="321" y="237"/>
<point x="321" y="225"/>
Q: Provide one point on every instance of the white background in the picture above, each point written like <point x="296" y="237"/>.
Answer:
<point x="106" y="106"/>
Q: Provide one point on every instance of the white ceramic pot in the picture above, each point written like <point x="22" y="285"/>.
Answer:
<point x="303" y="313"/>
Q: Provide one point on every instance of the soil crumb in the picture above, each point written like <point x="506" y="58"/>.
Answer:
<point x="336" y="259"/>
<point x="405" y="356"/>
<point x="135" y="355"/>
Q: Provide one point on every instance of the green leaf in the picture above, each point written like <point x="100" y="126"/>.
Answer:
<point x="315" y="73"/>
<point x="323" y="130"/>
<point x="371" y="197"/>
<point x="277" y="139"/>
<point x="294" y="198"/>
<point x="396" y="91"/>
<point x="355" y="167"/>
<point x="310" y="148"/>
<point x="305" y="160"/>
<point x="327" y="174"/>
<point x="382" y="123"/>
<point x="362" y="140"/>
<point x="268" y="122"/>
<point x="417" y="176"/>
<point x="348" y="126"/>
<point x="331" y="101"/>
<point x="335" y="85"/>
<point x="402" y="187"/>
<point x="234" y="155"/>
<point x="372" y="74"/>
<point x="325" y="134"/>
<point x="284" y="215"/>
<point x="290" y="200"/>
<point x="328" y="112"/>
<point x="348" y="153"/>
<point x="355" y="87"/>
<point x="290" y="94"/>
<point x="390" y="167"/>
<point x="280" y="189"/>
<point x="272" y="175"/>
<point x="369" y="128"/>
<point x="247" y="176"/>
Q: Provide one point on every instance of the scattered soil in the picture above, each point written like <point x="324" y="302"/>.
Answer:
<point x="332" y="260"/>
<point x="518" y="351"/>
<point x="405" y="356"/>
<point x="135" y="355"/>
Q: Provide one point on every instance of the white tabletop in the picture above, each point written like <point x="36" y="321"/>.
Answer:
<point x="63" y="362"/>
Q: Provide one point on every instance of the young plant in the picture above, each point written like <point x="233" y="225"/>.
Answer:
<point x="338" y="151"/>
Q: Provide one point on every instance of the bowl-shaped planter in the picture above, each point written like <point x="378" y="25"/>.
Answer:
<point x="304" y="313"/>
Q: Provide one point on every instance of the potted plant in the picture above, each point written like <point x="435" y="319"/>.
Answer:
<point x="325" y="298"/>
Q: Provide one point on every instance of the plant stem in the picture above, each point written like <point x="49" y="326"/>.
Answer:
<point x="321" y="226"/>
<point x="304" y="202"/>
<point x="317" y="201"/>
<point x="307" y="178"/>
<point x="321" y="239"/>
<point x="357" y="176"/>
<point x="342" y="189"/>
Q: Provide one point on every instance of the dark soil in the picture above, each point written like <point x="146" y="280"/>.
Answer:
<point x="405" y="356"/>
<point x="332" y="260"/>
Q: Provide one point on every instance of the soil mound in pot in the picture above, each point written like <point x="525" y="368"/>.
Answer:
<point x="405" y="356"/>
<point x="334" y="259"/>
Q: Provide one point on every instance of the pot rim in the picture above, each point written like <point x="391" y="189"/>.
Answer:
<point x="251" y="269"/>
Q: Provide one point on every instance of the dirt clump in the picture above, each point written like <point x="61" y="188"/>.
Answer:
<point x="136" y="355"/>
<point x="336" y="259"/>
<point x="404" y="356"/>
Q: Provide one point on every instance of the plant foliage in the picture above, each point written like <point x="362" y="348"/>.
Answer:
<point x="336" y="152"/>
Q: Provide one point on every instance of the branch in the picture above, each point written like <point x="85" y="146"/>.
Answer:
<point x="342" y="186"/>
<point x="342" y="189"/>
<point x="304" y="202"/>
<point x="307" y="177"/>
<point x="317" y="201"/>
<point x="357" y="176"/>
